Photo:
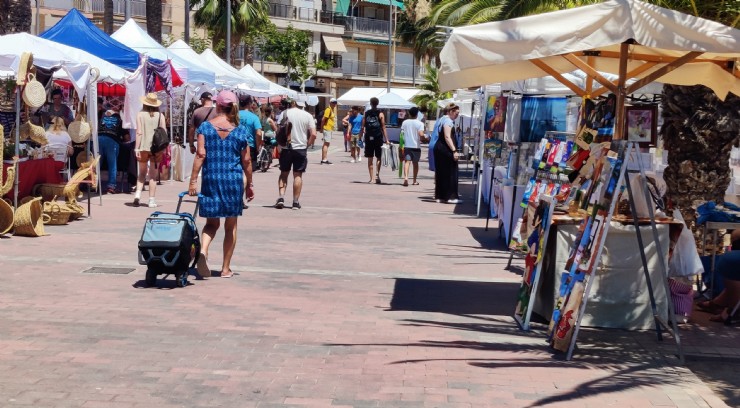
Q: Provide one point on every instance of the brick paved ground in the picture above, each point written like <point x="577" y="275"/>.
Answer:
<point x="370" y="296"/>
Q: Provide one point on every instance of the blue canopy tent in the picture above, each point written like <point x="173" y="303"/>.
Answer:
<point x="77" y="31"/>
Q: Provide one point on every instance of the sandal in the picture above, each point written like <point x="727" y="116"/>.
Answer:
<point x="724" y="317"/>
<point x="709" y="306"/>
<point x="416" y="183"/>
<point x="405" y="183"/>
<point x="227" y="275"/>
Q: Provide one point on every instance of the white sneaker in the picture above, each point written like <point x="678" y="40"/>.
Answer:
<point x="352" y="161"/>
<point x="359" y="160"/>
<point x="152" y="203"/>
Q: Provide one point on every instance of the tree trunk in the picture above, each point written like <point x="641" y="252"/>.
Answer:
<point x="154" y="19"/>
<point x="108" y="16"/>
<point x="15" y="16"/>
<point x="699" y="131"/>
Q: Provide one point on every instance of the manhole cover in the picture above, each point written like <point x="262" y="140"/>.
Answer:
<point x="115" y="271"/>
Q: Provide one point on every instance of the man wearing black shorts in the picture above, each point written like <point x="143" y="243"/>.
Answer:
<point x="293" y="154"/>
<point x="373" y="130"/>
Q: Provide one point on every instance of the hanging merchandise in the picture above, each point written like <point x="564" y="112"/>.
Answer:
<point x="79" y="130"/>
<point x="34" y="94"/>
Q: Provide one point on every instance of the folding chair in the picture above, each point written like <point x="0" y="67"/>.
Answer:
<point x="60" y="152"/>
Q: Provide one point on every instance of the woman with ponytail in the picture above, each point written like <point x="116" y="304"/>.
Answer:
<point x="223" y="154"/>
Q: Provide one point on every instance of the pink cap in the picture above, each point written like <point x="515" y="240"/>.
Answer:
<point x="226" y="98"/>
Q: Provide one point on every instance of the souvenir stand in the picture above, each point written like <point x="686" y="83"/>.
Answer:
<point x="632" y="40"/>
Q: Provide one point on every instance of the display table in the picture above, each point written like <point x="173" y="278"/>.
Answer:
<point x="619" y="297"/>
<point x="32" y="172"/>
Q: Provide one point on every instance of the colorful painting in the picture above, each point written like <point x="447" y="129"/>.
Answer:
<point x="641" y="124"/>
<point x="539" y="225"/>
<point x="495" y="113"/>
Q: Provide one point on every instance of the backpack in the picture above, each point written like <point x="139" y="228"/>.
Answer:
<point x="283" y="132"/>
<point x="372" y="123"/>
<point x="161" y="140"/>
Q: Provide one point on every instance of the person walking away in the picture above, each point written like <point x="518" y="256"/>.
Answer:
<point x="327" y="126"/>
<point x="251" y="121"/>
<point x="223" y="155"/>
<point x="445" y="159"/>
<point x="206" y="112"/>
<point x="147" y="121"/>
<point x="353" y="123"/>
<point x="294" y="153"/>
<point x="373" y="131"/>
<point x="269" y="127"/>
<point x="110" y="136"/>
<point x="413" y="131"/>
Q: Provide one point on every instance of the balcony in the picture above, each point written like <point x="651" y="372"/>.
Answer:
<point x="82" y="5"/>
<point x="334" y="59"/>
<point x="402" y="71"/>
<point x="362" y="68"/>
<point x="364" y="25"/>
<point x="306" y="14"/>
<point x="138" y="8"/>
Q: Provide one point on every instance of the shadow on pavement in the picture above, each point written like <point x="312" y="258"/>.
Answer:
<point x="454" y="297"/>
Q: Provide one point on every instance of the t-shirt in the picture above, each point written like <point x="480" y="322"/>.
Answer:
<point x="410" y="129"/>
<point x="111" y="126"/>
<point x="251" y="123"/>
<point x="438" y="130"/>
<point x="355" y="124"/>
<point x="302" y="121"/>
<point x="64" y="112"/>
<point x="201" y="115"/>
<point x="331" y="118"/>
<point x="61" y="138"/>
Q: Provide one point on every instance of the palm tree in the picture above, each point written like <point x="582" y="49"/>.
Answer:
<point x="154" y="19"/>
<point x="108" y="16"/>
<point x="247" y="17"/>
<point x="15" y="16"/>
<point x="430" y="90"/>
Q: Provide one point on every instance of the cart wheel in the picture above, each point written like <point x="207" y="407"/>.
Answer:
<point x="182" y="280"/>
<point x="151" y="278"/>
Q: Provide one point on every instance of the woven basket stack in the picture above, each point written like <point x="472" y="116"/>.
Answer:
<point x="6" y="209"/>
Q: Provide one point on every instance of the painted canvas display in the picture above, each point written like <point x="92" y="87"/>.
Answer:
<point x="495" y="113"/>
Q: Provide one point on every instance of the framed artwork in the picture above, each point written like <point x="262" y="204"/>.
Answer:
<point x="642" y="124"/>
<point x="495" y="113"/>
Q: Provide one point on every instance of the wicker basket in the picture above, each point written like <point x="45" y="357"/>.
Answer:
<point x="29" y="219"/>
<point x="48" y="191"/>
<point x="6" y="217"/>
<point x="57" y="215"/>
<point x="34" y="93"/>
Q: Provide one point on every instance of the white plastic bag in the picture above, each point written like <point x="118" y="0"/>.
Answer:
<point x="385" y="155"/>
<point x="685" y="260"/>
<point x="394" y="157"/>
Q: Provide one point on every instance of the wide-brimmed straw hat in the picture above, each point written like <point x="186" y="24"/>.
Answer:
<point x="24" y="68"/>
<point x="151" y="99"/>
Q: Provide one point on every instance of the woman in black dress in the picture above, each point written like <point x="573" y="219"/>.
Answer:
<point x="445" y="159"/>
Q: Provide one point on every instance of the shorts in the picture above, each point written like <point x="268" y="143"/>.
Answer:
<point x="411" y="154"/>
<point x="295" y="159"/>
<point x="327" y="136"/>
<point x="353" y="140"/>
<point x="374" y="149"/>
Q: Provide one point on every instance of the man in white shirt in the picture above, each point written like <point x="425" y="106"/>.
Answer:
<point x="293" y="155"/>
<point x="413" y="134"/>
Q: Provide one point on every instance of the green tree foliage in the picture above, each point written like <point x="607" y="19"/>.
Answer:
<point x="197" y="43"/>
<point x="288" y="48"/>
<point x="247" y="18"/>
<point x="431" y="92"/>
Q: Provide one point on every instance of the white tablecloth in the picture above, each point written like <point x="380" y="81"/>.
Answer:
<point x="619" y="296"/>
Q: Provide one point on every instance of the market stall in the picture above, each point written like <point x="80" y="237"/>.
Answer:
<point x="632" y="40"/>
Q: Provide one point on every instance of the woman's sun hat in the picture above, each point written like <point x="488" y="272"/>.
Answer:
<point x="151" y="99"/>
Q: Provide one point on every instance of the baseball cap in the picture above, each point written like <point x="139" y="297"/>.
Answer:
<point x="225" y="98"/>
<point x="206" y="95"/>
<point x="333" y="100"/>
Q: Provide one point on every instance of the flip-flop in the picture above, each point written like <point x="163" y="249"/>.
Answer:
<point x="202" y="266"/>
<point x="416" y="183"/>
<point x="227" y="275"/>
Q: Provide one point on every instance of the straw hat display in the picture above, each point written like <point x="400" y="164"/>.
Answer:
<point x="151" y="99"/>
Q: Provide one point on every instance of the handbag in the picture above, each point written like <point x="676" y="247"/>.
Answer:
<point x="34" y="93"/>
<point x="29" y="131"/>
<point x="79" y="130"/>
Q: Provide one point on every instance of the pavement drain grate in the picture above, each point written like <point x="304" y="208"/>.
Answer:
<point x="114" y="271"/>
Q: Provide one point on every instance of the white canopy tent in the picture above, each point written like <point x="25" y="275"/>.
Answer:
<point x="75" y="64"/>
<point x="361" y="95"/>
<point x="189" y="71"/>
<point x="392" y="100"/>
<point x="273" y="89"/>
<point x="223" y="77"/>
<point x="249" y="85"/>
<point x="627" y="38"/>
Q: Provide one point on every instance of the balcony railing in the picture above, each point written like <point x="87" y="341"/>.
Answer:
<point x="305" y="14"/>
<point x="138" y="7"/>
<point x="408" y="71"/>
<point x="371" y="69"/>
<point x="366" y="25"/>
<point x="82" y="5"/>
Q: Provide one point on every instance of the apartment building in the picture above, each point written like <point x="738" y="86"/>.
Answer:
<point x="49" y="12"/>
<point x="353" y="36"/>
